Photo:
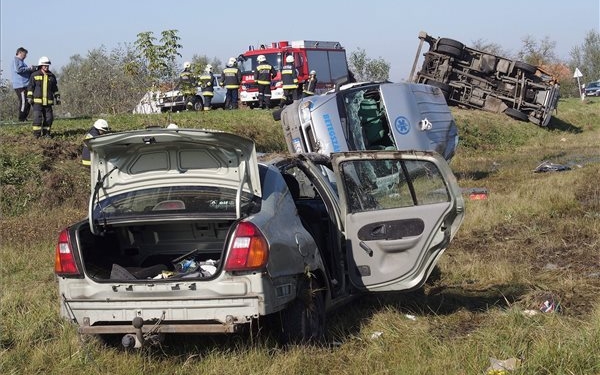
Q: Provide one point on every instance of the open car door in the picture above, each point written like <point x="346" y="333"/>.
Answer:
<point x="400" y="210"/>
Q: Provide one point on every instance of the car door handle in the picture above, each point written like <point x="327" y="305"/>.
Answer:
<point x="366" y="248"/>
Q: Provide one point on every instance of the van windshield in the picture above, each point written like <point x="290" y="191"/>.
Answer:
<point x="367" y="126"/>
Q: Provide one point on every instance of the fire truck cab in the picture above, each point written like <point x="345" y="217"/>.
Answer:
<point x="327" y="59"/>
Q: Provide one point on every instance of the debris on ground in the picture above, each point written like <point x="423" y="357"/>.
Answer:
<point x="547" y="166"/>
<point x="476" y="194"/>
<point x="502" y="367"/>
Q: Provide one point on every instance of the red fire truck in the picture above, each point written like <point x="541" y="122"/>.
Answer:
<point x="327" y="59"/>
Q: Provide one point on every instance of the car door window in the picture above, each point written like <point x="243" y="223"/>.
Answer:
<point x="386" y="184"/>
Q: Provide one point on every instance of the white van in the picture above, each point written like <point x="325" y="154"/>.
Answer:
<point x="372" y="116"/>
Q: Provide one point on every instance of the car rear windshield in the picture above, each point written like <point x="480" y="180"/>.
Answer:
<point x="176" y="200"/>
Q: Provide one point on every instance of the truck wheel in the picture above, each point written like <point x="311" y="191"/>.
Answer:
<point x="303" y="321"/>
<point x="449" y="47"/>
<point x="516" y="114"/>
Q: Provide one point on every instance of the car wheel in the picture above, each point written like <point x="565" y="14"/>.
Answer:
<point x="442" y="86"/>
<point x="303" y="320"/>
<point x="527" y="68"/>
<point x="516" y="114"/>
<point x="198" y="106"/>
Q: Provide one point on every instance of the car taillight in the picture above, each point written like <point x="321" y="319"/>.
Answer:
<point x="64" y="262"/>
<point x="248" y="250"/>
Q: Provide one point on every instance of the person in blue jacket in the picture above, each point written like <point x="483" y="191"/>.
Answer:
<point x="20" y="81"/>
<point x="100" y="127"/>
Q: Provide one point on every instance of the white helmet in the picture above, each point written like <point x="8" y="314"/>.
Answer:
<point x="208" y="68"/>
<point x="261" y="58"/>
<point x="187" y="65"/>
<point x="312" y="73"/>
<point x="289" y="59"/>
<point x="101" y="124"/>
<point x="44" y="61"/>
<point x="231" y="61"/>
<point x="172" y="126"/>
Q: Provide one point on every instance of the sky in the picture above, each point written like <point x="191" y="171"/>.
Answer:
<point x="384" y="29"/>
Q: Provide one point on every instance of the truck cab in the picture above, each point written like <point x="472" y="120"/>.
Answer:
<point x="328" y="59"/>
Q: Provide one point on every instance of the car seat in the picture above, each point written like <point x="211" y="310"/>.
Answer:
<point x="374" y="125"/>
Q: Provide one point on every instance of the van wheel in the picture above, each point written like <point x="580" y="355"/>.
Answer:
<point x="516" y="114"/>
<point x="303" y="321"/>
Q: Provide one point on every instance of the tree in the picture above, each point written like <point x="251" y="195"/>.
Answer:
<point x="8" y="100"/>
<point x="490" y="47"/>
<point x="587" y="56"/>
<point x="200" y="62"/>
<point x="366" y="69"/>
<point x="537" y="53"/>
<point x="158" y="58"/>
<point x="99" y="83"/>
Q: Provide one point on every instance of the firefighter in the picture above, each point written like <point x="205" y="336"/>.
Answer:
<point x="310" y="85"/>
<point x="100" y="127"/>
<point x="289" y="79"/>
<point x="42" y="94"/>
<point x="231" y="78"/>
<point x="263" y="75"/>
<point x="187" y="85"/>
<point x="206" y="82"/>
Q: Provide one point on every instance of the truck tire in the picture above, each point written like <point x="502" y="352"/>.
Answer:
<point x="303" y="321"/>
<point x="450" y="47"/>
<point x="516" y="114"/>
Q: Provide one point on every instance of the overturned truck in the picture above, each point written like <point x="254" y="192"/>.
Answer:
<point x="482" y="80"/>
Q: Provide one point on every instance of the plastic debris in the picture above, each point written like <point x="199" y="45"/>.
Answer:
<point x="502" y="367"/>
<point x="547" y="166"/>
<point x="409" y="316"/>
<point x="375" y="335"/>
<point x="549" y="306"/>
<point x="530" y="312"/>
<point x="476" y="194"/>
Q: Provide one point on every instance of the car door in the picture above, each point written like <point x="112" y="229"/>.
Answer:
<point x="400" y="211"/>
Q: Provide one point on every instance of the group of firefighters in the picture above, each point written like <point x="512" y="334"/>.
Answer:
<point x="231" y="78"/>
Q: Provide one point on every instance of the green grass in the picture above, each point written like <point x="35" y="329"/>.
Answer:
<point x="536" y="237"/>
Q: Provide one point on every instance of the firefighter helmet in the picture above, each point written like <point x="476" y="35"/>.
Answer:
<point x="101" y="124"/>
<point x="231" y="62"/>
<point x="172" y="126"/>
<point x="44" y="61"/>
<point x="187" y="65"/>
<point x="208" y="68"/>
<point x="312" y="73"/>
<point x="261" y="58"/>
<point x="289" y="59"/>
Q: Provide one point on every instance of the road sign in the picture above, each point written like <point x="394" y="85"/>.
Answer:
<point x="577" y="73"/>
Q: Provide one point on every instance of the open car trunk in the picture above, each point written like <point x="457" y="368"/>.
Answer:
<point x="159" y="251"/>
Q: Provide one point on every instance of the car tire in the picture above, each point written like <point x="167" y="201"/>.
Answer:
<point x="303" y="321"/>
<point x="516" y="114"/>
<point x="527" y="68"/>
<point x="198" y="106"/>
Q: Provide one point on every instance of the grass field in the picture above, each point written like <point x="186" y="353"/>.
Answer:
<point x="536" y="239"/>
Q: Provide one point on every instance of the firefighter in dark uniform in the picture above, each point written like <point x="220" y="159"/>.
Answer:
<point x="289" y="79"/>
<point x="206" y="82"/>
<point x="230" y="79"/>
<point x="187" y="85"/>
<point x="100" y="127"/>
<point x="263" y="75"/>
<point x="42" y="94"/>
<point x="310" y="85"/>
